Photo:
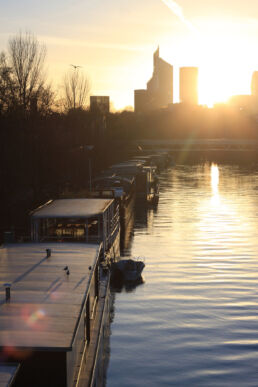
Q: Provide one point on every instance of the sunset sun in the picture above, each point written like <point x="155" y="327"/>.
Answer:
<point x="224" y="51"/>
<point x="224" y="69"/>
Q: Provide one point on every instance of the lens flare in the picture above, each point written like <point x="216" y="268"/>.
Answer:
<point x="35" y="317"/>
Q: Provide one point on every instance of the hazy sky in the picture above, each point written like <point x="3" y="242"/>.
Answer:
<point x="114" y="40"/>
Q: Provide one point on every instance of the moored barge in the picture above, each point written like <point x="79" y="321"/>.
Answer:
<point x="47" y="323"/>
<point x="147" y="186"/>
<point x="121" y="188"/>
<point x="54" y="293"/>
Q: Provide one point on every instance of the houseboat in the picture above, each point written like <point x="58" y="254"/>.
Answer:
<point x="121" y="188"/>
<point x="54" y="294"/>
<point x="147" y="186"/>
<point x="160" y="159"/>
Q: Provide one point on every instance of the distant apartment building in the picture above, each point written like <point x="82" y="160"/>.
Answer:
<point x="99" y="104"/>
<point x="188" y="79"/>
<point x="159" y="92"/>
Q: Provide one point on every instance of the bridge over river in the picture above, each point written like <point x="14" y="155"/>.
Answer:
<point x="197" y="145"/>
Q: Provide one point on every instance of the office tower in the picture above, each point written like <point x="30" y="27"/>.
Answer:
<point x="188" y="78"/>
<point x="159" y="92"/>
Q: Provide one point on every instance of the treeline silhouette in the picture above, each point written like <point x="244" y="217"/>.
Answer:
<point x="183" y="121"/>
<point x="43" y="155"/>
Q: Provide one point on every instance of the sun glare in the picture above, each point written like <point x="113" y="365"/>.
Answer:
<point x="225" y="54"/>
<point x="214" y="178"/>
<point x="220" y="81"/>
<point x="226" y="62"/>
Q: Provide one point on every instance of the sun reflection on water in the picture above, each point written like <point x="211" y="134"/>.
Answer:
<point x="214" y="174"/>
<point x="220" y="220"/>
<point x="199" y="303"/>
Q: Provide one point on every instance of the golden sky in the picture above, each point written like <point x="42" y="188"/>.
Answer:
<point x="114" y="41"/>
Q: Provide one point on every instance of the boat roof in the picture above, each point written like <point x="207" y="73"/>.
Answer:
<point x="45" y="302"/>
<point x="112" y="182"/>
<point x="72" y="208"/>
<point x="7" y="373"/>
<point x="127" y="164"/>
<point x="114" y="178"/>
<point x="109" y="174"/>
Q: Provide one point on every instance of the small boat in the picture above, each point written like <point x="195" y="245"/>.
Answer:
<point x="128" y="269"/>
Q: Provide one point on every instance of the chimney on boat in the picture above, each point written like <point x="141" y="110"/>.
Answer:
<point x="7" y="292"/>
<point x="48" y="251"/>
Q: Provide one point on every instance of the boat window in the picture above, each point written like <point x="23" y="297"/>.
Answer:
<point x="68" y="229"/>
<point x="93" y="229"/>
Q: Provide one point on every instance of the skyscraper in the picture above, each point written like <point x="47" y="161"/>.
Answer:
<point x="189" y="85"/>
<point x="159" y="91"/>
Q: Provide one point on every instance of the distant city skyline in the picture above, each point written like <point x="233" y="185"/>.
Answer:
<point x="114" y="42"/>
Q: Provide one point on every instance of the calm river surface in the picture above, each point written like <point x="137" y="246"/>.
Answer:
<point x="194" y="322"/>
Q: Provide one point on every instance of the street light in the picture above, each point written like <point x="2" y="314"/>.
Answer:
<point x="89" y="148"/>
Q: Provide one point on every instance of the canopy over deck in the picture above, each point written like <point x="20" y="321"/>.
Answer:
<point x="72" y="208"/>
<point x="45" y="302"/>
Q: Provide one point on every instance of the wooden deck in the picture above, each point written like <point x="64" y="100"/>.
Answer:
<point x="45" y="302"/>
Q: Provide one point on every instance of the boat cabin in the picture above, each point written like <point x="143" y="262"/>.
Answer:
<point x="88" y="220"/>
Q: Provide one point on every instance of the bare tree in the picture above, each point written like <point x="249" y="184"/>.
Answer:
<point x="27" y="58"/>
<point x="22" y="77"/>
<point x="76" y="88"/>
<point x="7" y="86"/>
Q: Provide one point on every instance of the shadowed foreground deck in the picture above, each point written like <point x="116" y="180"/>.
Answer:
<point x="45" y="302"/>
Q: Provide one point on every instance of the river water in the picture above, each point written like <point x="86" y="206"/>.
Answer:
<point x="194" y="321"/>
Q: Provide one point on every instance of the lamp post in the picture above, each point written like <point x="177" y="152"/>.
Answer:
<point x="89" y="149"/>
